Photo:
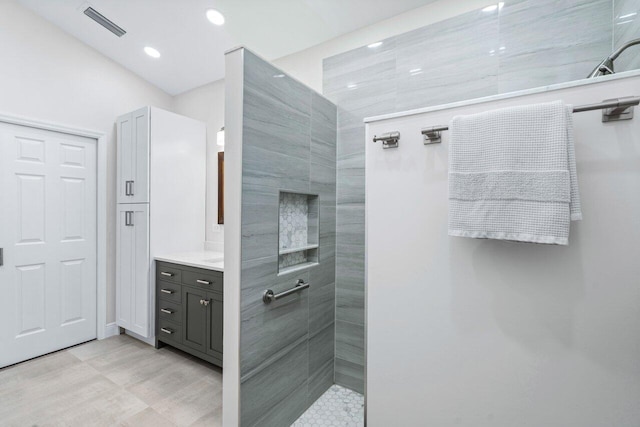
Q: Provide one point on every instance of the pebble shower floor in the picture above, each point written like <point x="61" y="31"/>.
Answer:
<point x="338" y="406"/>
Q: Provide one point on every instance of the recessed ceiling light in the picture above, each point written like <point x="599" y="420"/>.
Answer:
<point x="374" y="45"/>
<point x="215" y="17"/>
<point x="152" y="52"/>
<point x="352" y="86"/>
<point x="278" y="76"/>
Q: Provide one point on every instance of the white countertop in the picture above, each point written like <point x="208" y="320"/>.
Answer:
<point x="202" y="259"/>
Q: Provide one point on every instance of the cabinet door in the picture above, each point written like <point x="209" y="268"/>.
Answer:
<point x="133" y="296"/>
<point x="214" y="324"/>
<point x="194" y="318"/>
<point x="139" y="187"/>
<point x="133" y="157"/>
<point x="125" y="148"/>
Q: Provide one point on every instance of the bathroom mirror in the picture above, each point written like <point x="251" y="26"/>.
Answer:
<point x="221" y="187"/>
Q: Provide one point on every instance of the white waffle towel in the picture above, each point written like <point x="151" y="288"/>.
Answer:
<point x="512" y="174"/>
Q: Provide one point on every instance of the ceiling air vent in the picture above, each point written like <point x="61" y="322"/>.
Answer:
<point x="102" y="20"/>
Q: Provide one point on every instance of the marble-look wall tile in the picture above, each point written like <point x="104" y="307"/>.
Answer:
<point x="263" y="327"/>
<point x="626" y="27"/>
<point x="552" y="41"/>
<point x="320" y="381"/>
<point x="289" y="144"/>
<point x="448" y="61"/>
<point x="278" y="395"/>
<point x="350" y="375"/>
<point x="321" y="360"/>
<point x="294" y="220"/>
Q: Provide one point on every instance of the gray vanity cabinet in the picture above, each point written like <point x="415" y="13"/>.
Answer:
<point x="189" y="303"/>
<point x="214" y="333"/>
<point x="194" y="318"/>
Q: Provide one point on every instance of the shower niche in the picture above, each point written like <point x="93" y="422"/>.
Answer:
<point x="298" y="231"/>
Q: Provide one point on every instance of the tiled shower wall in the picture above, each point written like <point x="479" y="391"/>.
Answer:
<point x="626" y="26"/>
<point x="525" y="44"/>
<point x="286" y="347"/>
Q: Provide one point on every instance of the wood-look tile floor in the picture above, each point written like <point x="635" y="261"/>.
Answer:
<point x="119" y="381"/>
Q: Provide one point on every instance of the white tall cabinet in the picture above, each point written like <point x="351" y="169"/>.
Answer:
<point x="161" y="205"/>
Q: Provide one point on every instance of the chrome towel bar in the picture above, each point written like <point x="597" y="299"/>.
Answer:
<point x="613" y="110"/>
<point x="269" y="296"/>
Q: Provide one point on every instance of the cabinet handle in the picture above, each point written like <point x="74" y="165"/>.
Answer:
<point x="203" y="282"/>
<point x="166" y="331"/>
<point x="131" y="188"/>
<point x="127" y="188"/>
<point x="166" y="310"/>
<point x="128" y="218"/>
<point x="166" y="291"/>
<point x="166" y="274"/>
<point x="204" y="302"/>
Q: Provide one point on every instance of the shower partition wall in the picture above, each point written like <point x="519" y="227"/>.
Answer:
<point x="520" y="45"/>
<point x="288" y="232"/>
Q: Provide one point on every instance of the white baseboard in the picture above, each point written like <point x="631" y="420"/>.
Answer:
<point x="110" y="330"/>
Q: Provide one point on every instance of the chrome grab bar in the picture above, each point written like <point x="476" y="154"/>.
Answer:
<point x="269" y="296"/>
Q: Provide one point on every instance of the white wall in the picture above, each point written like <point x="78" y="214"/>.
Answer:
<point x="206" y="104"/>
<point x="48" y="75"/>
<point x="468" y="332"/>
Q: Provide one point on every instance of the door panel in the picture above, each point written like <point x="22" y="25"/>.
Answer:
<point x="125" y="265"/>
<point x="194" y="322"/>
<point x="132" y="268"/>
<point x="48" y="232"/>
<point x="126" y="157"/>
<point x="214" y="324"/>
<point x="140" y="152"/>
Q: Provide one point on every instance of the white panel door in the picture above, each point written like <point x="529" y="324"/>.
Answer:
<point x="48" y="234"/>
<point x="132" y="269"/>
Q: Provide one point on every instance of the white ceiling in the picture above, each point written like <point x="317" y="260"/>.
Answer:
<point x="192" y="48"/>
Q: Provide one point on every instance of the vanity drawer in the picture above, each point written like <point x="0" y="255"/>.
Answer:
<point x="170" y="311"/>
<point x="169" y="331"/>
<point x="168" y="272"/>
<point x="203" y="279"/>
<point x="168" y="291"/>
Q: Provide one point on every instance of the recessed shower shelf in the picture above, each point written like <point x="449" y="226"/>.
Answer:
<point x="298" y="240"/>
<point x="284" y="251"/>
<point x="297" y="267"/>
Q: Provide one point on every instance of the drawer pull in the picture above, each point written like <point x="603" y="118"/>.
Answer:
<point x="203" y="282"/>
<point x="166" y="331"/>
<point x="166" y="310"/>
<point x="164" y="273"/>
<point x="205" y="302"/>
<point x="166" y="291"/>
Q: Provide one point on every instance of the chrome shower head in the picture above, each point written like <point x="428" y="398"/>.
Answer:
<point x="606" y="66"/>
<point x="603" y="68"/>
